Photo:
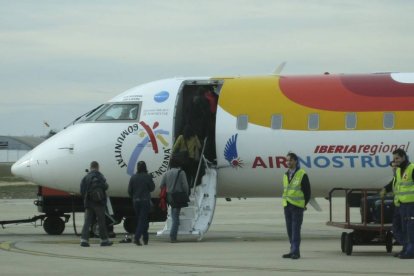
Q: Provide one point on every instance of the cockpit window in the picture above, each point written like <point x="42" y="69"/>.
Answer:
<point x="93" y="114"/>
<point x="119" y="112"/>
<point x="88" y="115"/>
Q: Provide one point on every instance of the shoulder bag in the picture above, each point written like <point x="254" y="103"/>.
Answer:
<point x="178" y="199"/>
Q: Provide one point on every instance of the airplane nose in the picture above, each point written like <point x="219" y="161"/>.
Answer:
<point x="22" y="167"/>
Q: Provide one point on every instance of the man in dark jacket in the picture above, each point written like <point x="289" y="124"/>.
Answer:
<point x="140" y="187"/>
<point x="296" y="195"/>
<point x="404" y="197"/>
<point x="93" y="190"/>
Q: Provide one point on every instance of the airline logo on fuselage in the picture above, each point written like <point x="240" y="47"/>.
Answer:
<point x="337" y="156"/>
<point x="149" y="137"/>
<point x="230" y="152"/>
<point x="161" y="96"/>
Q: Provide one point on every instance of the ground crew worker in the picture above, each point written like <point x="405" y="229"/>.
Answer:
<point x="296" y="195"/>
<point x="404" y="187"/>
<point x="396" y="218"/>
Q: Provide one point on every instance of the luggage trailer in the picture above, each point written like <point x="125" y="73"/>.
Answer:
<point x="366" y="232"/>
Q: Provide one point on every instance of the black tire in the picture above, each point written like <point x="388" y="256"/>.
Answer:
<point x="388" y="242"/>
<point x="349" y="243"/>
<point x="54" y="225"/>
<point x="130" y="224"/>
<point x="343" y="242"/>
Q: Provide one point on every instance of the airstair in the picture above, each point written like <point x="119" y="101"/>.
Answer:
<point x="195" y="219"/>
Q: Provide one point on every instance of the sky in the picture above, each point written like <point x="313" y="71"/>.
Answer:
<point x="60" y="59"/>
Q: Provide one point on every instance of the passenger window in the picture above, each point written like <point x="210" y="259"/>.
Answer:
<point x="388" y="120"/>
<point x="120" y="112"/>
<point x="313" y="121"/>
<point x="350" y="120"/>
<point x="242" y="121"/>
<point x="276" y="121"/>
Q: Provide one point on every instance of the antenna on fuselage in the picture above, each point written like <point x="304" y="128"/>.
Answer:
<point x="279" y="69"/>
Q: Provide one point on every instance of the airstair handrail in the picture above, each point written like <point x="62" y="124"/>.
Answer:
<point x="199" y="165"/>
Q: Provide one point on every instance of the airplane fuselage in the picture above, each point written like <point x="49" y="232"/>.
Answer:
<point x="343" y="128"/>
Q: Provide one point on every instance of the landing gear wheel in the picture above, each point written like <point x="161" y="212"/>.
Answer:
<point x="388" y="241"/>
<point x="54" y="225"/>
<point x="349" y="244"/>
<point x="130" y="224"/>
<point x="343" y="242"/>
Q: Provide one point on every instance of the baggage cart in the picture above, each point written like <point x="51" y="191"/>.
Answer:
<point x="364" y="232"/>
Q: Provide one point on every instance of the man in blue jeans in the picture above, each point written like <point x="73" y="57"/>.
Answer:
<point x="176" y="181"/>
<point x="296" y="194"/>
<point x="404" y="193"/>
<point x="140" y="187"/>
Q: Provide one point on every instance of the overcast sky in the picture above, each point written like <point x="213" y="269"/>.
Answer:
<point x="59" y="59"/>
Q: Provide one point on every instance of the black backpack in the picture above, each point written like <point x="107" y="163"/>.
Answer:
<point x="96" y="192"/>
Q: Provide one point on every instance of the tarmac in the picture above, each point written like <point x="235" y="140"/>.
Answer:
<point x="247" y="237"/>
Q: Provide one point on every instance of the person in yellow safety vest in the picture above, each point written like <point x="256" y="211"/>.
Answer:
<point x="296" y="195"/>
<point x="404" y="191"/>
<point x="396" y="218"/>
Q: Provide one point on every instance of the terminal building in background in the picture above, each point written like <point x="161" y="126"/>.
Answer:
<point x="14" y="147"/>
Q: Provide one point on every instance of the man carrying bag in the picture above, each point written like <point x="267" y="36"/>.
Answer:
<point x="93" y="190"/>
<point x="175" y="181"/>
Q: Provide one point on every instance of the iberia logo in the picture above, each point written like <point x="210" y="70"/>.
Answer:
<point x="149" y="137"/>
<point x="230" y="152"/>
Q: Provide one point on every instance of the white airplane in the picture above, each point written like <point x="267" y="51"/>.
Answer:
<point x="343" y="127"/>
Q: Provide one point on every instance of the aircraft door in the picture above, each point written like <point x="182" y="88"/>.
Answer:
<point x="196" y="108"/>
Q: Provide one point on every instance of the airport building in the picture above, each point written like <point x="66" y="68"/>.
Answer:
<point x="14" y="147"/>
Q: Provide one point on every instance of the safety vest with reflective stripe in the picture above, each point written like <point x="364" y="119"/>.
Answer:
<point x="292" y="191"/>
<point x="395" y="192"/>
<point x="405" y="184"/>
